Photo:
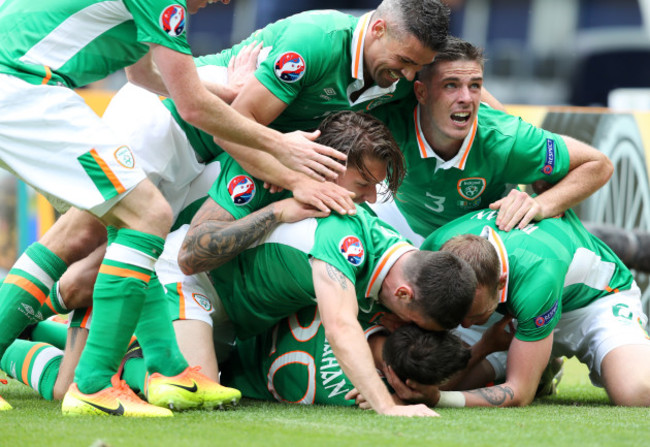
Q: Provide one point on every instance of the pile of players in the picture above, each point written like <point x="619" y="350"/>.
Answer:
<point x="308" y="217"/>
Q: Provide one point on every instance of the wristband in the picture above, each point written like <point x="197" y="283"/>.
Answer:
<point x="451" y="399"/>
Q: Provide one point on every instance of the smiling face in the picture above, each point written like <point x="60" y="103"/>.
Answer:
<point x="389" y="57"/>
<point x="449" y="101"/>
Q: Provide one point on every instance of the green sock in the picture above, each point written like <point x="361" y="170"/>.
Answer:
<point x="134" y="373"/>
<point x="25" y="289"/>
<point x="156" y="335"/>
<point x="118" y="298"/>
<point x="33" y="363"/>
<point x="51" y="332"/>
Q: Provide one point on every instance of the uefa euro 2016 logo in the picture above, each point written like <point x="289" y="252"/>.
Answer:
<point x="352" y="250"/>
<point x="172" y="20"/>
<point x="241" y="189"/>
<point x="289" y="67"/>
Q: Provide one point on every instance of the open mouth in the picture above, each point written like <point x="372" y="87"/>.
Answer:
<point x="460" y="117"/>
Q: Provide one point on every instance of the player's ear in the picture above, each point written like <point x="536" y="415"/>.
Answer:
<point x="378" y="28"/>
<point x="502" y="281"/>
<point x="420" y="91"/>
<point x="405" y="294"/>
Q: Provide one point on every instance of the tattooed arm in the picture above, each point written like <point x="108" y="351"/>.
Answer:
<point x="215" y="237"/>
<point x="337" y="304"/>
<point x="526" y="362"/>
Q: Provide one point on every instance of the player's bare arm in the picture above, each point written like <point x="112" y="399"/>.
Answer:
<point x="316" y="160"/>
<point x="337" y="305"/>
<point x="214" y="237"/>
<point x="526" y="362"/>
<point x="589" y="170"/>
<point x="145" y="74"/>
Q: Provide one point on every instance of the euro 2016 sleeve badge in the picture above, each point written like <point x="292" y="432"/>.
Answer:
<point x="289" y="67"/>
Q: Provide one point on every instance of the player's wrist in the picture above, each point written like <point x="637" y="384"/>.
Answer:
<point x="451" y="399"/>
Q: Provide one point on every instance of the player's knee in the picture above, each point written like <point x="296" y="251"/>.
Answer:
<point x="632" y="393"/>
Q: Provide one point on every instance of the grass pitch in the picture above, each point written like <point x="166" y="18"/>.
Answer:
<point x="579" y="415"/>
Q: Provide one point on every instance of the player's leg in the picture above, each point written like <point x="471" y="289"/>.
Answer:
<point x="625" y="374"/>
<point x="120" y="290"/>
<point x="187" y="300"/>
<point x="609" y="337"/>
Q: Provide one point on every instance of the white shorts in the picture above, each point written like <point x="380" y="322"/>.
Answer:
<point x="52" y="140"/>
<point x="193" y="297"/>
<point x="592" y="332"/>
<point x="158" y="142"/>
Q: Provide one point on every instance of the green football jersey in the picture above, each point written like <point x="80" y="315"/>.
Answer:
<point x="273" y="279"/>
<point x="76" y="42"/>
<point x="312" y="61"/>
<point x="239" y="193"/>
<point x="293" y="362"/>
<point x="500" y="151"/>
<point x="553" y="266"/>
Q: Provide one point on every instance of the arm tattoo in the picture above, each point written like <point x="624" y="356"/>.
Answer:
<point x="337" y="276"/>
<point x="495" y="395"/>
<point x="219" y="238"/>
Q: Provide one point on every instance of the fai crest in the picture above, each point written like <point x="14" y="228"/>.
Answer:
<point x="241" y="189"/>
<point x="289" y="67"/>
<point x="471" y="188"/>
<point x="124" y="157"/>
<point x="203" y="301"/>
<point x="172" y="20"/>
<point x="352" y="250"/>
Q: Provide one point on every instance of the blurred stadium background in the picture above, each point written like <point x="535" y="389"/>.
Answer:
<point x="576" y="67"/>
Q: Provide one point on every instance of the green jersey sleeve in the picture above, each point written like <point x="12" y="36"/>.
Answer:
<point x="339" y="241"/>
<point x="295" y="61"/>
<point x="535" y="298"/>
<point x="162" y="22"/>
<point x="238" y="192"/>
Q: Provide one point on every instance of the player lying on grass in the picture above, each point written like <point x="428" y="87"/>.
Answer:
<point x="570" y="296"/>
<point x="292" y="362"/>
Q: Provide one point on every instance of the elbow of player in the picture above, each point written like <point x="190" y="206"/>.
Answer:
<point x="186" y="267"/>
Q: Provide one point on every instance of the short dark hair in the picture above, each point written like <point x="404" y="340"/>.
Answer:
<point x="481" y="256"/>
<point x="456" y="49"/>
<point x="427" y="357"/>
<point x="427" y="20"/>
<point x="444" y="286"/>
<point x="361" y="136"/>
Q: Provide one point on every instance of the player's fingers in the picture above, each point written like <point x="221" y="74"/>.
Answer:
<point x="528" y="218"/>
<point x="311" y="173"/>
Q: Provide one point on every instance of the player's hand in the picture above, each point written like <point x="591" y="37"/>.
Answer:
<point x="242" y="66"/>
<point x="358" y="398"/>
<point x="412" y="391"/>
<point x="325" y="196"/>
<point x="291" y="210"/>
<point x="418" y="410"/>
<point x="273" y="189"/>
<point x="391" y="321"/>
<point x="317" y="161"/>
<point x="498" y="336"/>
<point x="518" y="209"/>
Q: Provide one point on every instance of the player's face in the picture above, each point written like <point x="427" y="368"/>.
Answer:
<point x="194" y="5"/>
<point x="451" y="100"/>
<point x="484" y="304"/>
<point x="410" y="315"/>
<point x="365" y="190"/>
<point x="389" y="58"/>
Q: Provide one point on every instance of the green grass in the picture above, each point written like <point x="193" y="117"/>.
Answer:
<point x="579" y="415"/>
